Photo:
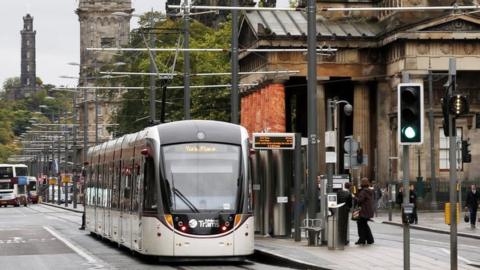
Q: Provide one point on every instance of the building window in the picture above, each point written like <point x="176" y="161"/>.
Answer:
<point x="477" y="120"/>
<point x="444" y="153"/>
<point x="28" y="55"/>
<point x="28" y="42"/>
<point x="28" y="81"/>
<point x="28" y="68"/>
<point x="107" y="42"/>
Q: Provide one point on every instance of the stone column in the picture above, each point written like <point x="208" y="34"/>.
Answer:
<point x="383" y="131"/>
<point x="361" y="124"/>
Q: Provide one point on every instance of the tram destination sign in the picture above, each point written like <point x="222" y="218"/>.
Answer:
<point x="280" y="141"/>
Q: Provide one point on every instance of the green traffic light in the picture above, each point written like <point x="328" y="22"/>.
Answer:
<point x="410" y="133"/>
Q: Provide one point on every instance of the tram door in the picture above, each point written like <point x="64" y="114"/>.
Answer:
<point x="126" y="204"/>
<point x="137" y="189"/>
<point x="107" y="201"/>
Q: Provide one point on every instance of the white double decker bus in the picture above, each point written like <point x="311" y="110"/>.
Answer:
<point x="13" y="182"/>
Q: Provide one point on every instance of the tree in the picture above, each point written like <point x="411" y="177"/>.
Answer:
<point x="207" y="103"/>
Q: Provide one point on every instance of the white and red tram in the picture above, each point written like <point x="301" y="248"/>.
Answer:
<point x="180" y="189"/>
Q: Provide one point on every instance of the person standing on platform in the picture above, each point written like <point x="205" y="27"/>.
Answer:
<point x="472" y="204"/>
<point x="364" y="200"/>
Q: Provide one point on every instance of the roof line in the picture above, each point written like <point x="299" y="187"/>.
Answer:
<point x="281" y="24"/>
<point x="295" y="23"/>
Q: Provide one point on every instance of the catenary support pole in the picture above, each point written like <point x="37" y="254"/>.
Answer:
<point x="74" y="152"/>
<point x="235" y="102"/>
<point x="186" y="60"/>
<point x="312" y="109"/>
<point x="152" y="70"/>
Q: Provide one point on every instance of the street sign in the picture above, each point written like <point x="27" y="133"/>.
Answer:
<point x="66" y="179"/>
<point x="346" y="161"/>
<point x="330" y="138"/>
<point x="52" y="181"/>
<point x="350" y="145"/>
<point x="281" y="141"/>
<point x="282" y="199"/>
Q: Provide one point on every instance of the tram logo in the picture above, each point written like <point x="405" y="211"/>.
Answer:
<point x="203" y="223"/>
<point x="209" y="223"/>
<point x="193" y="223"/>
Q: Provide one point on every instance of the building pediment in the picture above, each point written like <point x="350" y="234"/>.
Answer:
<point x="452" y="23"/>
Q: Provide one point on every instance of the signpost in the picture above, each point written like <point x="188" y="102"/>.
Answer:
<point x="284" y="141"/>
<point x="272" y="141"/>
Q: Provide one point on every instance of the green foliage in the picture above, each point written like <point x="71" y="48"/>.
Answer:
<point x="16" y="115"/>
<point x="206" y="103"/>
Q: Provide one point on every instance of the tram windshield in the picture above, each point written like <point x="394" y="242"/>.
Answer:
<point x="202" y="176"/>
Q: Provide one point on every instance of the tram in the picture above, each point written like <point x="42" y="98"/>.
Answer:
<point x="175" y="190"/>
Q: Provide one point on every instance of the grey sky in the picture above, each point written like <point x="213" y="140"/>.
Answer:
<point x="57" y="36"/>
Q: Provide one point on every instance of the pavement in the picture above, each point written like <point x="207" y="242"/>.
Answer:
<point x="381" y="255"/>
<point x="79" y="208"/>
<point x="432" y="222"/>
<point x="384" y="254"/>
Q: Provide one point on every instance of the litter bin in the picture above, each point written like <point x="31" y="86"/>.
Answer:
<point x="336" y="234"/>
<point x="313" y="236"/>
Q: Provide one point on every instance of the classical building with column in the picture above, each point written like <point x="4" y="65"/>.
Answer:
<point x="374" y="49"/>
<point x="99" y="27"/>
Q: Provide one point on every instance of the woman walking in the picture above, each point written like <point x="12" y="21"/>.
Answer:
<point x="364" y="200"/>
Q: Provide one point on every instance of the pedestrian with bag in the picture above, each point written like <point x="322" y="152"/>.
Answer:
<point x="364" y="199"/>
<point x="472" y="204"/>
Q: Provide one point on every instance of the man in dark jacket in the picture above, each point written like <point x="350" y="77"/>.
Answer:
<point x="364" y="199"/>
<point x="472" y="204"/>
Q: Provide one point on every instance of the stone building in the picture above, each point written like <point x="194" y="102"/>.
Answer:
<point x="374" y="49"/>
<point x="28" y="75"/>
<point x="100" y="27"/>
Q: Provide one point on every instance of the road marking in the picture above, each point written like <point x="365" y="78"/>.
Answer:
<point x="21" y="212"/>
<point x="75" y="248"/>
<point x="459" y="257"/>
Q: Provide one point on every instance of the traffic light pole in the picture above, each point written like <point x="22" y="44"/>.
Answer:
<point x="433" y="180"/>
<point x="406" y="194"/>
<point x="452" y="73"/>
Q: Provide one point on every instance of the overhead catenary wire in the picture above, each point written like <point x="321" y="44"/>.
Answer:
<point x="324" y="50"/>
<point x="324" y="9"/>
<point x="203" y="74"/>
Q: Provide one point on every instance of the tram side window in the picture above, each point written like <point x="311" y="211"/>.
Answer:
<point x="150" y="190"/>
<point x="127" y="189"/>
<point x="110" y="185"/>
<point x="116" y="186"/>
<point x="99" y="186"/>
<point x="92" y="185"/>
<point x="136" y="186"/>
